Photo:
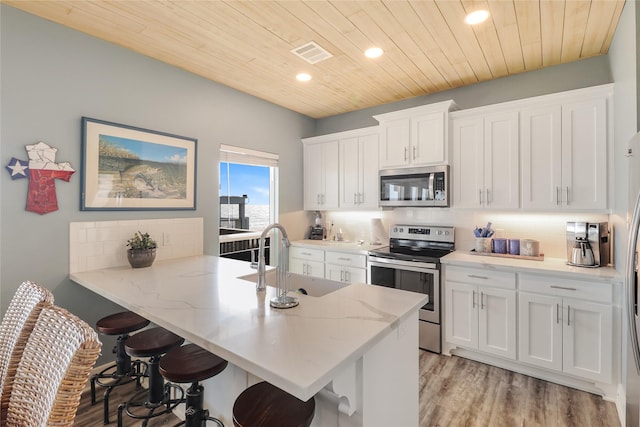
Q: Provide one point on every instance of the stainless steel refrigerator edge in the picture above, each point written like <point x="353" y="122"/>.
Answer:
<point x="631" y="289"/>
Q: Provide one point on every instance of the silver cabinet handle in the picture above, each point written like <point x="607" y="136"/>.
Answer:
<point x="309" y="272"/>
<point x="567" y="189"/>
<point x="557" y="313"/>
<point x="306" y="253"/>
<point x="558" y="197"/>
<point x="481" y="300"/>
<point x="480" y="195"/>
<point x="487" y="200"/>
<point x="562" y="287"/>
<point x="473" y="299"/>
<point x="344" y="259"/>
<point x="342" y="275"/>
<point x="414" y="153"/>
<point x="304" y="269"/>
<point x="474" y="276"/>
<point x="568" y="315"/>
<point x="405" y="154"/>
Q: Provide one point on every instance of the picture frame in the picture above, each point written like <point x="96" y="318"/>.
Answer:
<point x="130" y="168"/>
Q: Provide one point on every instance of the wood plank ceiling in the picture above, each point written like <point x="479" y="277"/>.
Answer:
<point x="428" y="48"/>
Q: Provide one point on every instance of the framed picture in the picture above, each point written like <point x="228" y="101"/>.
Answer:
<point x="129" y="168"/>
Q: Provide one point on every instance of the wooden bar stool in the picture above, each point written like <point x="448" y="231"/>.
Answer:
<point x="123" y="370"/>
<point x="151" y="343"/>
<point x="191" y="364"/>
<point x="265" y="405"/>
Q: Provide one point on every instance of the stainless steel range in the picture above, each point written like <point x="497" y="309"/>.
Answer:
<point x="412" y="262"/>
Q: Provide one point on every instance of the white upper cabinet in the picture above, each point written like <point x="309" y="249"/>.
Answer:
<point x="321" y="175"/>
<point x="485" y="160"/>
<point x="359" y="171"/>
<point x="415" y="136"/>
<point x="341" y="170"/>
<point x="565" y="152"/>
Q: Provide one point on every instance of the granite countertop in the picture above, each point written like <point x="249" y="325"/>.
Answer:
<point x="335" y="245"/>
<point x="556" y="266"/>
<point x="299" y="350"/>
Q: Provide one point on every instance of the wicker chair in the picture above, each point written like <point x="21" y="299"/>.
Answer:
<point x="53" y="371"/>
<point x="17" y="323"/>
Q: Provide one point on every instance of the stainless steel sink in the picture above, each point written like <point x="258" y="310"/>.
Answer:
<point x="312" y="286"/>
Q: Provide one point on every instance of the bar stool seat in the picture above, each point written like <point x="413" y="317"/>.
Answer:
<point x="123" y="370"/>
<point x="191" y="364"/>
<point x="265" y="405"/>
<point x="151" y="343"/>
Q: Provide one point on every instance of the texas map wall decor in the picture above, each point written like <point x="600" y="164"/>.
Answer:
<point x="42" y="171"/>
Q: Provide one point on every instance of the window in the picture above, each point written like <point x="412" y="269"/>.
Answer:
<point x="247" y="188"/>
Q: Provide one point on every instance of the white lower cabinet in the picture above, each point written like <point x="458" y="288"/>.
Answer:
<point x="345" y="267"/>
<point x="306" y="261"/>
<point x="564" y="333"/>
<point x="480" y="309"/>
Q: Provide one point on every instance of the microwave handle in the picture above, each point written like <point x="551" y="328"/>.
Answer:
<point x="432" y="195"/>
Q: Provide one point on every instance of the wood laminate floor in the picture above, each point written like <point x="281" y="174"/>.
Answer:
<point x="454" y="392"/>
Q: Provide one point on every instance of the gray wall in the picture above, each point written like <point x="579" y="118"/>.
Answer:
<point x="575" y="75"/>
<point x="51" y="76"/>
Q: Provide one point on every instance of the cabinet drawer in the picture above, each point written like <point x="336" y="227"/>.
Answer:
<point x="476" y="276"/>
<point x="549" y="285"/>
<point x="346" y="259"/>
<point x="306" y="253"/>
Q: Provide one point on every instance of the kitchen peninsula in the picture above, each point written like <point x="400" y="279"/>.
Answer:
<point x="355" y="349"/>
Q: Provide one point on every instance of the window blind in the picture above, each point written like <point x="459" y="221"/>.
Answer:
<point x="231" y="154"/>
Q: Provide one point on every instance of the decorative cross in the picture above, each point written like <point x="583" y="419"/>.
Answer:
<point x="42" y="171"/>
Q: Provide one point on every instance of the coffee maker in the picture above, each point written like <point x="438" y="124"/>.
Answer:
<point x="588" y="244"/>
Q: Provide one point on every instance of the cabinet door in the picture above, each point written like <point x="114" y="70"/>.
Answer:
<point x="461" y="314"/>
<point x="350" y="171"/>
<point x="584" y="154"/>
<point x="497" y="322"/>
<point x="330" y="175"/>
<point x="359" y="172"/>
<point x="428" y="143"/>
<point x="501" y="167"/>
<point x="540" y="330"/>
<point x="343" y="274"/>
<point x="468" y="160"/>
<point x="394" y="142"/>
<point x="587" y="332"/>
<point x="369" y="181"/>
<point x="313" y="176"/>
<point x="541" y="157"/>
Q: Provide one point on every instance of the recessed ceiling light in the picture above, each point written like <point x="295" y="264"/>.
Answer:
<point x="303" y="77"/>
<point x="373" y="52"/>
<point x="476" y="17"/>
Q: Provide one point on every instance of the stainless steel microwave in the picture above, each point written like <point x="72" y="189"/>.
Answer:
<point x="423" y="186"/>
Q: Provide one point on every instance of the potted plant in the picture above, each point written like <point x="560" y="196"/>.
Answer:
<point x="142" y="250"/>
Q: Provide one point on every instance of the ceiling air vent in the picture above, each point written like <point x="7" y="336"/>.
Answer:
<point x="311" y="52"/>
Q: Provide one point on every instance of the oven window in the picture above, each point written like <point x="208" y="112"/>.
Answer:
<point x="416" y="282"/>
<point x="383" y="276"/>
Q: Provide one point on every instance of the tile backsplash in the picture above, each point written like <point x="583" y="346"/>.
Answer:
<point x="548" y="228"/>
<point x="102" y="244"/>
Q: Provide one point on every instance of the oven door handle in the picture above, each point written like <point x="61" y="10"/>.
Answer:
<point x="401" y="264"/>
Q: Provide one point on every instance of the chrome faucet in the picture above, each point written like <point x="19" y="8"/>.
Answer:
<point x="281" y="300"/>
<point x="262" y="282"/>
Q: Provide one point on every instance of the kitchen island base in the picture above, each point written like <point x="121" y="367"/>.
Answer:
<point x="379" y="389"/>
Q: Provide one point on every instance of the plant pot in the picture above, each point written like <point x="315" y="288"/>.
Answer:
<point x="139" y="258"/>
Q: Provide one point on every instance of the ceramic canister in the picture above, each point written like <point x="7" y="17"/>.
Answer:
<point x="529" y="247"/>
<point x="483" y="244"/>
<point x="500" y="245"/>
<point x="514" y="246"/>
